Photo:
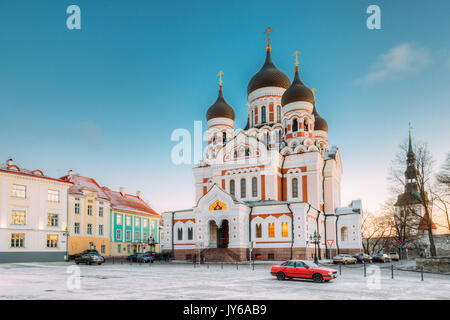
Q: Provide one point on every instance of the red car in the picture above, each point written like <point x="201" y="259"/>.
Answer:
<point x="302" y="269"/>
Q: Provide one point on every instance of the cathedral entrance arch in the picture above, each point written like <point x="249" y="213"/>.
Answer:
<point x="218" y="235"/>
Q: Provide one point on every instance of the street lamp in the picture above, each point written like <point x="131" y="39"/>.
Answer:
<point x="316" y="240"/>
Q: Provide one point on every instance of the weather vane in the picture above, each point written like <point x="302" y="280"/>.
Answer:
<point x="296" y="54"/>
<point x="410" y="127"/>
<point x="220" y="77"/>
<point x="268" y="29"/>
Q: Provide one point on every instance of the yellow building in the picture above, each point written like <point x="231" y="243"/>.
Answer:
<point x="88" y="213"/>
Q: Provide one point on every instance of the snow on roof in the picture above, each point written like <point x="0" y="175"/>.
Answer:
<point x="354" y="207"/>
<point x="128" y="202"/>
<point x="14" y="169"/>
<point x="81" y="182"/>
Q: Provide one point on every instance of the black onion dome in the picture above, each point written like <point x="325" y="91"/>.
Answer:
<point x="220" y="109"/>
<point x="319" y="122"/>
<point x="268" y="76"/>
<point x="297" y="92"/>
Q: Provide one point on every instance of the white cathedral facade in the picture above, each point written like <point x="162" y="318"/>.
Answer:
<point x="265" y="191"/>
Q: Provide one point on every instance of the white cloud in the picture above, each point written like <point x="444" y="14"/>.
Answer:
<point x="401" y="59"/>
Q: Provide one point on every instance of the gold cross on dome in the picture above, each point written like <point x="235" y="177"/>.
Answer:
<point x="220" y="77"/>
<point x="268" y="29"/>
<point x="296" y="54"/>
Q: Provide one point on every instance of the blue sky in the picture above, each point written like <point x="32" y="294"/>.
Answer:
<point x="105" y="99"/>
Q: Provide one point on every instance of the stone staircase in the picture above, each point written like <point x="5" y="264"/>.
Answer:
<point x="219" y="255"/>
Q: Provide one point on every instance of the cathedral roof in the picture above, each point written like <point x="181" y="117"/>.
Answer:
<point x="268" y="76"/>
<point x="319" y="123"/>
<point x="297" y="91"/>
<point x="220" y="108"/>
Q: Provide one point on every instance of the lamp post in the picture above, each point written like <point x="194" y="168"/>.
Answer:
<point x="199" y="246"/>
<point x="316" y="240"/>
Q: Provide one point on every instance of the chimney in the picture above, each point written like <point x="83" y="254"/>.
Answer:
<point x="138" y="193"/>
<point x="122" y="190"/>
<point x="70" y="173"/>
<point x="9" y="162"/>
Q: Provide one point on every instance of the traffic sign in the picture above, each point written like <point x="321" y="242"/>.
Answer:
<point x="330" y="243"/>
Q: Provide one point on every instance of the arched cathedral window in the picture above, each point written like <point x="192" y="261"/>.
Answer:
<point x="263" y="114"/>
<point x="295" y="125"/>
<point x="254" y="187"/>
<point x="344" y="234"/>
<point x="224" y="137"/>
<point x="305" y="125"/>
<point x="279" y="136"/>
<point x="294" y="188"/>
<point x="190" y="233"/>
<point x="243" y="186"/>
<point x="279" y="113"/>
<point x="252" y="124"/>
<point x="232" y="187"/>
<point x="180" y="234"/>
<point x="258" y="230"/>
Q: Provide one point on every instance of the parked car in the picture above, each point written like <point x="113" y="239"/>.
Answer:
<point x="73" y="256"/>
<point x="89" y="258"/>
<point x="344" y="258"/>
<point x="394" y="256"/>
<point x="140" y="257"/>
<point x="363" y="258"/>
<point x="302" y="269"/>
<point x="381" y="257"/>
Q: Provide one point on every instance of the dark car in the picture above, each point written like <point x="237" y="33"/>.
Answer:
<point x="140" y="257"/>
<point x="381" y="257"/>
<point x="89" y="258"/>
<point x="363" y="258"/>
<point x="74" y="256"/>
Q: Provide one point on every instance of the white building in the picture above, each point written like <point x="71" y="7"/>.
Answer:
<point x="268" y="188"/>
<point x="33" y="215"/>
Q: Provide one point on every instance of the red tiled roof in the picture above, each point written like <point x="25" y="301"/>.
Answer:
<point x="14" y="169"/>
<point x="80" y="183"/>
<point x="129" y="202"/>
<point x="423" y="225"/>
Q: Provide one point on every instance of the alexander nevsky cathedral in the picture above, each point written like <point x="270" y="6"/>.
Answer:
<point x="271" y="191"/>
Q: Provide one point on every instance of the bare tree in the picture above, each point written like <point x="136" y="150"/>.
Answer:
<point x="375" y="229"/>
<point x="443" y="176"/>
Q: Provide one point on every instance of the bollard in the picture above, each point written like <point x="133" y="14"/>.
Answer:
<point x="340" y="268"/>
<point x="392" y="271"/>
<point x="421" y="273"/>
<point x="253" y="263"/>
<point x="222" y="265"/>
<point x="207" y="265"/>
<point x="365" y="274"/>
<point x="237" y="266"/>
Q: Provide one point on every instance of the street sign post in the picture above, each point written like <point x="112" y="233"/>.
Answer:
<point x="330" y="244"/>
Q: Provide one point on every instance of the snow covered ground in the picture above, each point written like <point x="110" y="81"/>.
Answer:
<point x="181" y="281"/>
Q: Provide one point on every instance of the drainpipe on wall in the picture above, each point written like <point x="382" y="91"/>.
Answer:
<point x="250" y="229"/>
<point x="173" y="231"/>
<point x="282" y="179"/>
<point x="337" y="239"/>
<point x="292" y="228"/>
<point x="323" y="204"/>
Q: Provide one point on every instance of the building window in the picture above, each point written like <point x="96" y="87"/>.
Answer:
<point x="279" y="113"/>
<point x="119" y="248"/>
<point x="53" y="196"/>
<point x="305" y="125"/>
<point x="145" y="223"/>
<point x="243" y="188"/>
<point x="258" y="230"/>
<point x="128" y="235"/>
<point x="89" y="210"/>
<point x="17" y="240"/>
<point x="153" y="224"/>
<point x="266" y="138"/>
<point x="271" y="256"/>
<point x="180" y="234"/>
<point x="295" y="125"/>
<point x="232" y="187"/>
<point x="52" y="241"/>
<point x="128" y="221"/>
<point x="100" y="229"/>
<point x="254" y="187"/>
<point x="77" y="208"/>
<point x="118" y="234"/>
<point x="252" y="124"/>
<point x="76" y="228"/>
<point x="224" y="137"/>
<point x="89" y="228"/>
<point x="103" y="249"/>
<point x="279" y="136"/>
<point x="190" y="233"/>
<point x="119" y="219"/>
<point x="128" y="248"/>
<point x="19" y="191"/>
<point x="136" y="222"/>
<point x="52" y="220"/>
<point x="284" y="229"/>
<point x="145" y="236"/>
<point x="263" y="114"/>
<point x="294" y="188"/>
<point x="100" y="211"/>
<point x="18" y="217"/>
<point x="137" y="236"/>
<point x="272" y="230"/>
<point x="344" y="234"/>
